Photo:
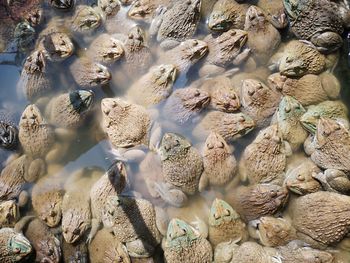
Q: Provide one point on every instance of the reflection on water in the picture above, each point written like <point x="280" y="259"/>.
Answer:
<point x="90" y="149"/>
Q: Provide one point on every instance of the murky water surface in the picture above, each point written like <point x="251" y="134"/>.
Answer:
<point x="91" y="150"/>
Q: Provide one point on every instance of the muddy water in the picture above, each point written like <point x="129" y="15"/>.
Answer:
<point x="90" y="150"/>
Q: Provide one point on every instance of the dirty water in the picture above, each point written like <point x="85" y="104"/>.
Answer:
<point x="91" y="150"/>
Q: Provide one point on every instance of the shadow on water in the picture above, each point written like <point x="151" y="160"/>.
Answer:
<point x="342" y="71"/>
<point x="134" y="214"/>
